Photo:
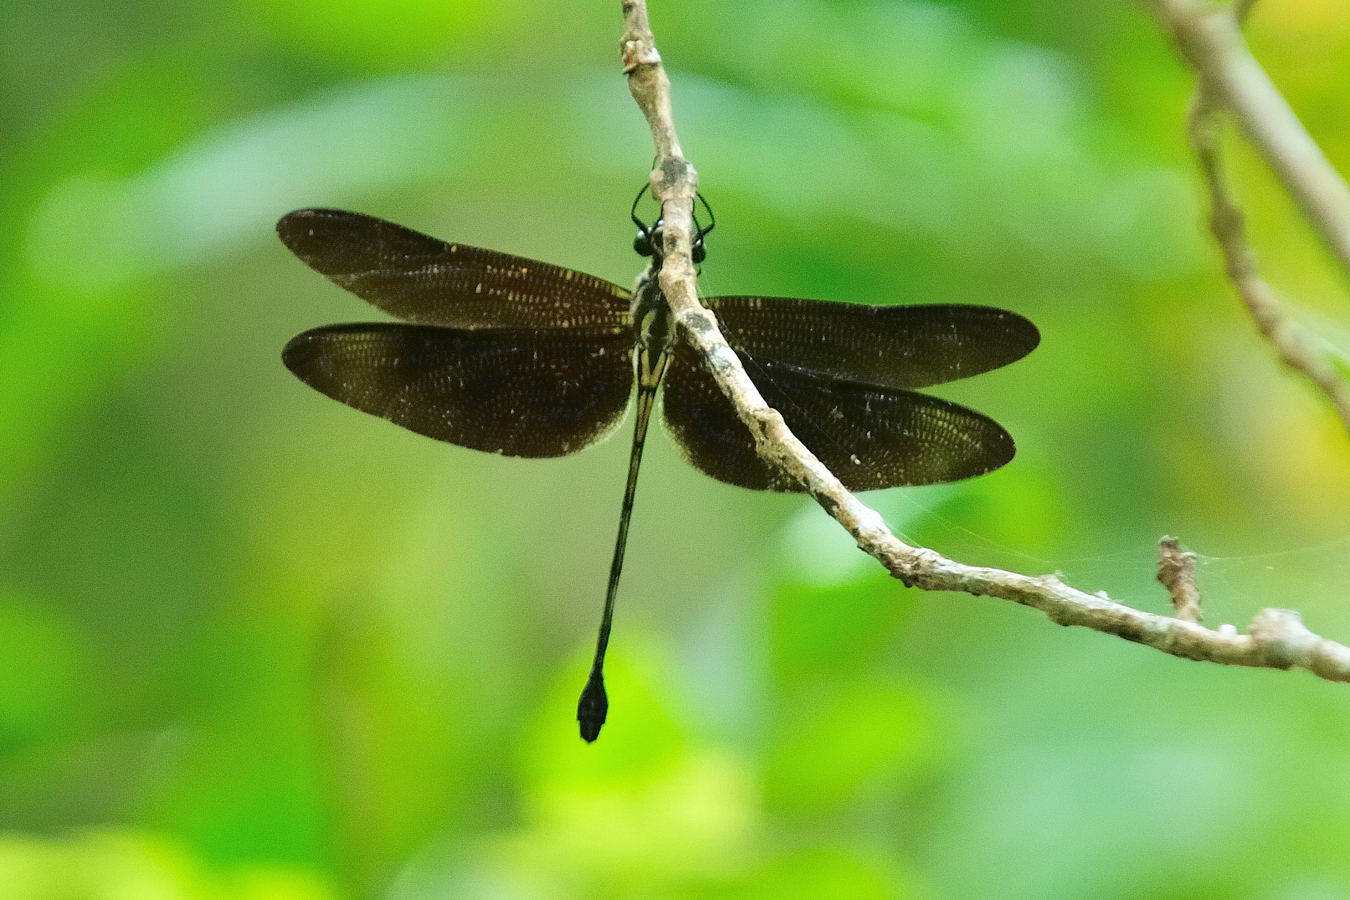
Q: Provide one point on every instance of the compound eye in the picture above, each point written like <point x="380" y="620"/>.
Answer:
<point x="698" y="252"/>
<point x="642" y="244"/>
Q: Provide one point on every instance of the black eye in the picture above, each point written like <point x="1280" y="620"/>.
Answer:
<point x="698" y="252"/>
<point x="643" y="244"/>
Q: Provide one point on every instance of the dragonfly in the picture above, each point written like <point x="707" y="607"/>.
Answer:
<point x="508" y="355"/>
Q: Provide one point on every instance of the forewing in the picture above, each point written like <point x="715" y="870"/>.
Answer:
<point x="518" y="393"/>
<point x="888" y="346"/>
<point x="869" y="437"/>
<point x="430" y="282"/>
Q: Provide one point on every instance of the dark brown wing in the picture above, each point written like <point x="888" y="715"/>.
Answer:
<point x="888" y="346"/>
<point x="518" y="393"/>
<point x="869" y="437"/>
<point x="427" y="281"/>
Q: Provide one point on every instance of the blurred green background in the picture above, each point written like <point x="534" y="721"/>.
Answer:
<point x="254" y="644"/>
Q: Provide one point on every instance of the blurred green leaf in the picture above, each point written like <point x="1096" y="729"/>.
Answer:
<point x="832" y="873"/>
<point x="866" y="738"/>
<point x="44" y="673"/>
<point x="122" y="865"/>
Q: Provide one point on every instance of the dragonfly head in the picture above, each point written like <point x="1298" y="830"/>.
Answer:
<point x="648" y="240"/>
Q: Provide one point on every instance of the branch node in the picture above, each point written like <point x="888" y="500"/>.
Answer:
<point x="1176" y="572"/>
<point x="1282" y="639"/>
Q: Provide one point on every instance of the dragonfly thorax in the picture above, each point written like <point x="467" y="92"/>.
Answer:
<point x="651" y="314"/>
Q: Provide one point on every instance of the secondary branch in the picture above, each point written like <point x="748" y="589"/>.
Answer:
<point x="1276" y="638"/>
<point x="1209" y="38"/>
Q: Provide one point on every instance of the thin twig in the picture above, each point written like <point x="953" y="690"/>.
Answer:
<point x="1295" y="345"/>
<point x="1209" y="37"/>
<point x="1276" y="639"/>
